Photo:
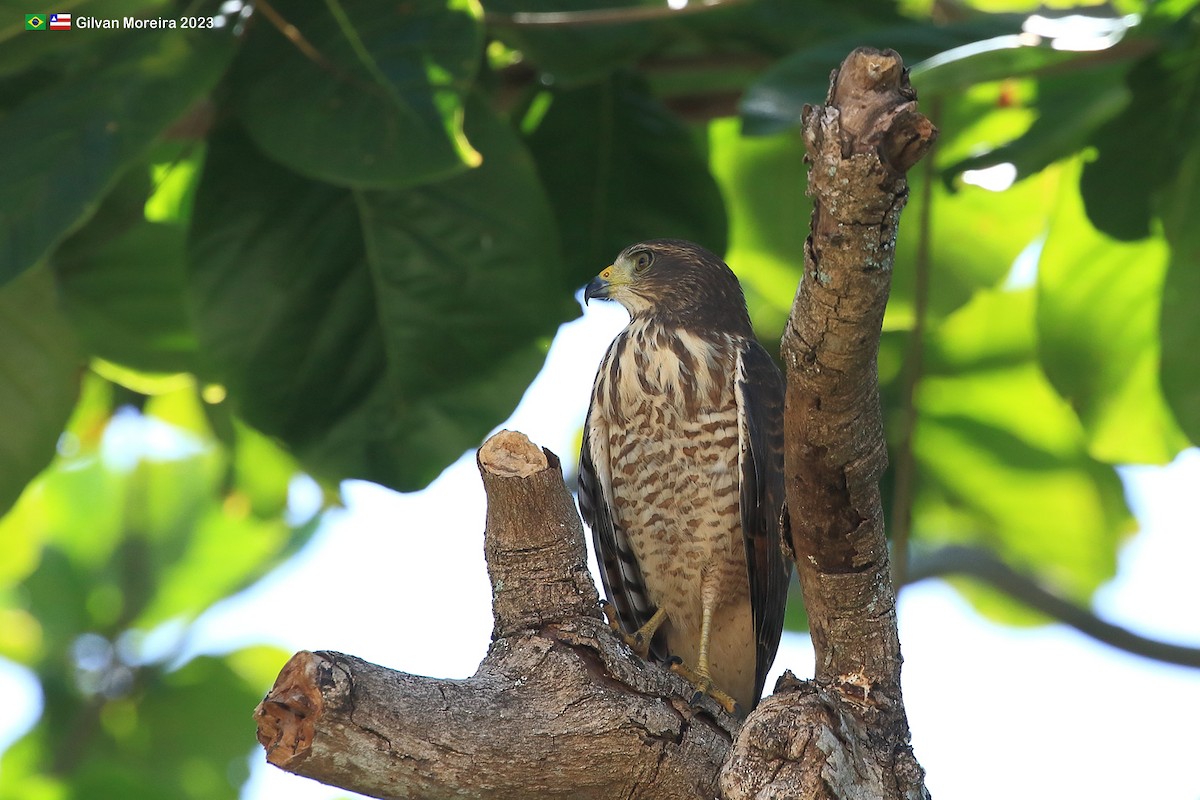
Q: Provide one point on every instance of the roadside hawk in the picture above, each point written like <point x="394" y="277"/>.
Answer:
<point x="681" y="471"/>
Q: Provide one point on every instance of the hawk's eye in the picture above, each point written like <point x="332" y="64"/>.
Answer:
<point x="642" y="261"/>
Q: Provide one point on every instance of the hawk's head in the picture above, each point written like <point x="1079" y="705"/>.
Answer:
<point x="676" y="281"/>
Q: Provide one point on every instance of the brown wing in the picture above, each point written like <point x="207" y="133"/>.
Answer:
<point x="760" y="390"/>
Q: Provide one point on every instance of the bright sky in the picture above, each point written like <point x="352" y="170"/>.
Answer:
<point x="996" y="712"/>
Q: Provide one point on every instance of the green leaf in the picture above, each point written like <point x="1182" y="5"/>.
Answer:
<point x="227" y="549"/>
<point x="1069" y="109"/>
<point x="1003" y="459"/>
<point x="126" y="298"/>
<point x="619" y="168"/>
<point x="374" y="99"/>
<point x="378" y="334"/>
<point x="1098" y="323"/>
<point x="1137" y="152"/>
<point x="63" y="148"/>
<point x="1179" y="328"/>
<point x="40" y="366"/>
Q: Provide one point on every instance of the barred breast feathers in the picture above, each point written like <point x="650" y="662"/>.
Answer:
<point x="649" y="361"/>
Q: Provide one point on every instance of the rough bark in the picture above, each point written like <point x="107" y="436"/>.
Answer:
<point x="844" y="734"/>
<point x="560" y="707"/>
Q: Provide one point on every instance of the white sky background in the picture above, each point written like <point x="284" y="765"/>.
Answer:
<point x="996" y="712"/>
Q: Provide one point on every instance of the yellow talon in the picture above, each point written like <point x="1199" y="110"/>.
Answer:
<point x="639" y="640"/>
<point x="704" y="686"/>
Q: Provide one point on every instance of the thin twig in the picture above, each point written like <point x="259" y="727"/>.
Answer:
<point x="985" y="566"/>
<point x="293" y="35"/>
<point x="905" y="484"/>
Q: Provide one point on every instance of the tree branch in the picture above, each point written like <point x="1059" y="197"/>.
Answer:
<point x="987" y="567"/>
<point x="559" y="707"/>
<point x="845" y="734"/>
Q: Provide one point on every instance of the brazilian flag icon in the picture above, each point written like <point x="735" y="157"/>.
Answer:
<point x="35" y="22"/>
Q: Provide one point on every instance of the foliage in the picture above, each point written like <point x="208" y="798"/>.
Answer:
<point x="342" y="248"/>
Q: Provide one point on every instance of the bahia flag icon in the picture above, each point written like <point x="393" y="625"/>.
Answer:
<point x="60" y="22"/>
<point x="35" y="22"/>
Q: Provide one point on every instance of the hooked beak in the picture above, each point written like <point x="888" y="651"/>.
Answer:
<point x="598" y="286"/>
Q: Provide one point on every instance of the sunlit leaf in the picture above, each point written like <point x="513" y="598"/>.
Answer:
<point x="227" y="548"/>
<point x="975" y="236"/>
<point x="1098" y="321"/>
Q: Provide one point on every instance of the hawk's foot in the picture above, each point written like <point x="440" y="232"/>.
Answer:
<point x="639" y="640"/>
<point x="610" y="614"/>
<point x="704" y="685"/>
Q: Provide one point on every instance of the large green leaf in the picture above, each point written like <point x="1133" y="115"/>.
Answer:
<point x="121" y="276"/>
<point x="620" y="168"/>
<point x="63" y="148"/>
<point x="1005" y="458"/>
<point x="1098" y="326"/>
<point x="1138" y="150"/>
<point x="378" y="334"/>
<point x="1179" y="208"/>
<point x="125" y="298"/>
<point x="40" y="365"/>
<point x="374" y="97"/>
<point x="1179" y="326"/>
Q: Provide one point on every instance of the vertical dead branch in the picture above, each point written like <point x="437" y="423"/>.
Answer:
<point x="845" y="734"/>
